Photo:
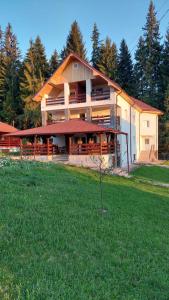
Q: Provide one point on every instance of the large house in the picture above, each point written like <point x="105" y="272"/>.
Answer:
<point x="78" y="91"/>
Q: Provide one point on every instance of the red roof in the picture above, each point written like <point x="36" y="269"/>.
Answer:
<point x="62" y="128"/>
<point x="6" y="128"/>
<point x="144" y="107"/>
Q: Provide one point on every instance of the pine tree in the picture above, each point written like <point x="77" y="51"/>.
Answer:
<point x="95" y="46"/>
<point x="125" y="69"/>
<point x="153" y="92"/>
<point x="2" y="73"/>
<point x="31" y="81"/>
<point x="54" y="62"/>
<point x="166" y="103"/>
<point x="74" y="42"/>
<point x="139" y="69"/>
<point x="108" y="59"/>
<point x="41" y="64"/>
<point x="11" y="102"/>
<point x="165" y="64"/>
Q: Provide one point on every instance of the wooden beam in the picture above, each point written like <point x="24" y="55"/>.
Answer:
<point x="21" y="148"/>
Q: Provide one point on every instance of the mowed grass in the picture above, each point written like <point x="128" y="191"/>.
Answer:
<point x="154" y="173"/>
<point x="55" y="243"/>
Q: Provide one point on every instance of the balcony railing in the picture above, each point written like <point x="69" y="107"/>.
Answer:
<point x="100" y="95"/>
<point x="55" y="101"/>
<point x="49" y="122"/>
<point x="80" y="98"/>
<point x="101" y="120"/>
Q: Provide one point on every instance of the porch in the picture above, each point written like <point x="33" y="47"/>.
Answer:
<point x="79" y="140"/>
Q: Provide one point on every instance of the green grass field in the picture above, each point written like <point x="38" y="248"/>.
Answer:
<point x="55" y="243"/>
<point x="154" y="173"/>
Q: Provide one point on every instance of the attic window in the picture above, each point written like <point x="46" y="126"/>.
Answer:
<point x="75" y="65"/>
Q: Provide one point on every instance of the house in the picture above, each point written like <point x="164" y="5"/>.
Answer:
<point x="78" y="91"/>
<point x="86" y="114"/>
<point x="7" y="142"/>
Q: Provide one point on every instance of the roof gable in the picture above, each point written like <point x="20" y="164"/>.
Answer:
<point x="6" y="128"/>
<point x="57" y="77"/>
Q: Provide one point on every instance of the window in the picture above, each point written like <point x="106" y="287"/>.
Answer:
<point x="134" y="118"/>
<point x="147" y="141"/>
<point x="75" y="65"/>
<point x="147" y="123"/>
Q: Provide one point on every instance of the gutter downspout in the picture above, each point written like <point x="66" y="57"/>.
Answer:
<point x="115" y="144"/>
<point x="130" y="138"/>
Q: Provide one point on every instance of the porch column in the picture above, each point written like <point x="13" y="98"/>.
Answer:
<point x="112" y="116"/>
<point x="89" y="114"/>
<point x="88" y="91"/>
<point x="21" y="150"/>
<point x="48" y="147"/>
<point x="34" y="146"/>
<point x="44" y="118"/>
<point x="43" y="111"/>
<point x="66" y="93"/>
<point x="100" y="135"/>
<point x="70" y="143"/>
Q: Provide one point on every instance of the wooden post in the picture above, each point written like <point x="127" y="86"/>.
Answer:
<point x="21" y="148"/>
<point x="115" y="150"/>
<point x="47" y="146"/>
<point x="70" y="142"/>
<point x="128" y="168"/>
<point x="100" y="144"/>
<point x="34" y="147"/>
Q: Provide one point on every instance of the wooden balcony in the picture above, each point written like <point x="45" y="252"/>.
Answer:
<point x="49" y="122"/>
<point x="100" y="95"/>
<point x="55" y="101"/>
<point x="93" y="149"/>
<point x="101" y="120"/>
<point x="80" y="98"/>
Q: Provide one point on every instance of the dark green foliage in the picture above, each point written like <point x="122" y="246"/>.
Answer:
<point x="139" y="69"/>
<point x="125" y="69"/>
<point x="2" y="72"/>
<point x="55" y="243"/>
<point x="11" y="107"/>
<point x="54" y="62"/>
<point x="152" y="85"/>
<point x="35" y="72"/>
<point x="108" y="59"/>
<point x="165" y="73"/>
<point x="95" y="38"/>
<point x="74" y="42"/>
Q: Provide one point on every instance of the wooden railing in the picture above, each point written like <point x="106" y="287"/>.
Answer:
<point x="55" y="101"/>
<point x="80" y="98"/>
<point x="38" y="149"/>
<point x="101" y="120"/>
<point x="105" y="120"/>
<point x="99" y="96"/>
<point x="9" y="142"/>
<point x="93" y="149"/>
<point x="49" y="122"/>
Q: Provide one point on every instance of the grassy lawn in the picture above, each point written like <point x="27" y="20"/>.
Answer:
<point x="56" y="244"/>
<point x="153" y="173"/>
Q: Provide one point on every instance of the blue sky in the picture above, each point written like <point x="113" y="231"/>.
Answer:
<point x="52" y="19"/>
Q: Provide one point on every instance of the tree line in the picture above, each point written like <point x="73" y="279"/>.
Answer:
<point x="145" y="77"/>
